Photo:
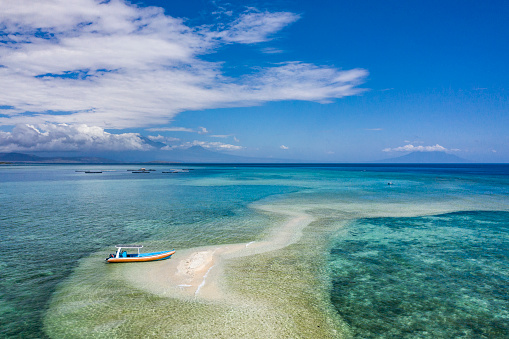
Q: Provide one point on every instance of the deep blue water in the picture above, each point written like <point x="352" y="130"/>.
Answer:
<point x="392" y="277"/>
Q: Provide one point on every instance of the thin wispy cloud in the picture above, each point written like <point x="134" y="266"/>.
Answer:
<point x="272" y="50"/>
<point x="116" y="65"/>
<point x="211" y="145"/>
<point x="200" y="130"/>
<point x="172" y="129"/>
<point x="253" y="27"/>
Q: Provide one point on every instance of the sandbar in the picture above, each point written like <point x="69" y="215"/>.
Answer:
<point x="197" y="272"/>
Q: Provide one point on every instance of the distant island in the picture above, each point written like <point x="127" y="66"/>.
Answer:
<point x="197" y="154"/>
<point x="10" y="158"/>
<point x="426" y="158"/>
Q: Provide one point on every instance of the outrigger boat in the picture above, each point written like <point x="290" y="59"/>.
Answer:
<point x="122" y="255"/>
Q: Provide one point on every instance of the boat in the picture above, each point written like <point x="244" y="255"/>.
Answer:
<point x="122" y="256"/>
<point x="141" y="170"/>
<point x="177" y="171"/>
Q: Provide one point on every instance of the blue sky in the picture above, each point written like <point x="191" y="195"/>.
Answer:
<point x="332" y="81"/>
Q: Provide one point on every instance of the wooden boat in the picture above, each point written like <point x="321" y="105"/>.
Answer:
<point x="123" y="256"/>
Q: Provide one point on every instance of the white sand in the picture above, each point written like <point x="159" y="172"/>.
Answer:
<point x="197" y="272"/>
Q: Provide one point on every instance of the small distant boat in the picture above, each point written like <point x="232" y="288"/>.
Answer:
<point x="93" y="171"/>
<point x="390" y="183"/>
<point x="142" y="170"/>
<point x="122" y="255"/>
<point x="177" y="171"/>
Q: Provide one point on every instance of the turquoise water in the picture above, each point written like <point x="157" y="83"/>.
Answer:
<point x="424" y="257"/>
<point x="437" y="276"/>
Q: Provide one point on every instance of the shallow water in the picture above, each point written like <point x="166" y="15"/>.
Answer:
<point x="366" y="235"/>
<point x="443" y="276"/>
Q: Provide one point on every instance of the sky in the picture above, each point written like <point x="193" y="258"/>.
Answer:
<point x="318" y="81"/>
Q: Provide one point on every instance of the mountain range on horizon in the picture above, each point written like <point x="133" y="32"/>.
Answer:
<point x="194" y="154"/>
<point x="30" y="158"/>
<point x="198" y="154"/>
<point x="426" y="158"/>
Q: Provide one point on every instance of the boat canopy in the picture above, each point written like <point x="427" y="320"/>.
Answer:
<point x="129" y="246"/>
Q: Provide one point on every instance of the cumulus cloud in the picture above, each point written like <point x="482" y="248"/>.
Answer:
<point x="202" y="130"/>
<point x="80" y="137"/>
<point x="116" y="65"/>
<point x="412" y="148"/>
<point x="51" y="137"/>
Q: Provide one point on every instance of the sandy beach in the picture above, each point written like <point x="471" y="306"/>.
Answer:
<point x="197" y="272"/>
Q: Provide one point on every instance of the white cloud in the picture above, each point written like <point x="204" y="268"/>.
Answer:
<point x="51" y="137"/>
<point x="271" y="50"/>
<point x="224" y="136"/>
<point x="163" y="139"/>
<point x="80" y="137"/>
<point x="253" y="27"/>
<point x="200" y="130"/>
<point x="412" y="148"/>
<point x="284" y="147"/>
<point x="172" y="129"/>
<point x="115" y="65"/>
<point x="214" y="145"/>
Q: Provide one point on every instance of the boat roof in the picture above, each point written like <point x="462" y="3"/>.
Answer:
<point x="128" y="246"/>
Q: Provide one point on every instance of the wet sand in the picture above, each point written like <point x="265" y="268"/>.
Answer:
<point x="198" y="272"/>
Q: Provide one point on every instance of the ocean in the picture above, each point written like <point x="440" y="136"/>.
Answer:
<point x="344" y="251"/>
